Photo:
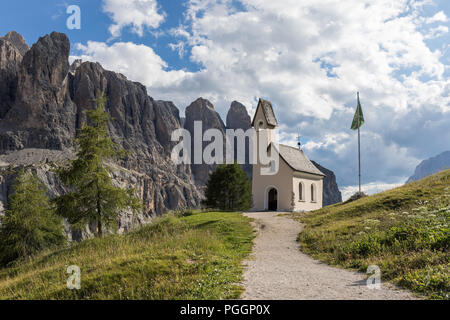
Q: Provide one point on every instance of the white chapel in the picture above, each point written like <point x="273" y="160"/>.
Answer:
<point x="297" y="185"/>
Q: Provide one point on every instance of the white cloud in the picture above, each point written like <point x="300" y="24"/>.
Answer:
<point x="283" y="50"/>
<point x="137" y="62"/>
<point x="436" y="32"/>
<point x="369" y="188"/>
<point x="179" y="47"/>
<point x="135" y="13"/>
<point x="438" y="17"/>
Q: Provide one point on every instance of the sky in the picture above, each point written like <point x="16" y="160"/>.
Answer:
<point x="308" y="57"/>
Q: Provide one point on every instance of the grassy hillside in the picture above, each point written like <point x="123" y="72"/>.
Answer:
<point x="405" y="231"/>
<point x="192" y="257"/>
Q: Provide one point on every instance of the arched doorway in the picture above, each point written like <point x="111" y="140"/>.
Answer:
<point x="273" y="199"/>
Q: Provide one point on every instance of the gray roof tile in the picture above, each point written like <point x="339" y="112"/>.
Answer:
<point x="297" y="159"/>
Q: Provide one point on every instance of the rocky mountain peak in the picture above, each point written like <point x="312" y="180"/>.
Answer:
<point x="74" y="66"/>
<point x="331" y="193"/>
<point x="10" y="60"/>
<point x="430" y="166"/>
<point x="42" y="104"/>
<point x="237" y="117"/>
<point x="202" y="110"/>
<point x="17" y="40"/>
<point x="47" y="60"/>
<point x="203" y="103"/>
<point x="42" y="112"/>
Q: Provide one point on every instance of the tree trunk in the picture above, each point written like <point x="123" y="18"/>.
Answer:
<point x="99" y="228"/>
<point x="99" y="213"/>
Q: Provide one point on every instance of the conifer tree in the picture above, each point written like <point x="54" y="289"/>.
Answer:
<point x="94" y="198"/>
<point x="228" y="188"/>
<point x="30" y="224"/>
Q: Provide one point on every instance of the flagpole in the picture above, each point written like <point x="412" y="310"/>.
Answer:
<point x="359" y="149"/>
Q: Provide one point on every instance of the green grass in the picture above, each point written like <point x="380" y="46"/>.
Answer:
<point x="405" y="231"/>
<point x="198" y="256"/>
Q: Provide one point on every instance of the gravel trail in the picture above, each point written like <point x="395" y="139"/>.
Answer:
<point x="278" y="269"/>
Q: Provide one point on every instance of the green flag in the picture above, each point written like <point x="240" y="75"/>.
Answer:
<point x="358" y="116"/>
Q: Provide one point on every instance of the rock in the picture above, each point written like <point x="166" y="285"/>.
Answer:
<point x="167" y="119"/>
<point x="28" y="157"/>
<point x="48" y="105"/>
<point x="10" y="59"/>
<point x="74" y="66"/>
<point x="17" y="40"/>
<point x="12" y="49"/>
<point x="431" y="166"/>
<point x="42" y="115"/>
<point x="202" y="110"/>
<point x="331" y="193"/>
<point x="238" y="118"/>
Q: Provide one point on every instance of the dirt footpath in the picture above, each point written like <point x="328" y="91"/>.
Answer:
<point x="278" y="269"/>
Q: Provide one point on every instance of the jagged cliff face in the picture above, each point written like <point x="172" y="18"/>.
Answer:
<point x="17" y="41"/>
<point x="238" y="118"/>
<point x="41" y="114"/>
<point x="202" y="110"/>
<point x="12" y="49"/>
<point x="430" y="166"/>
<point x="42" y="99"/>
<point x="331" y="193"/>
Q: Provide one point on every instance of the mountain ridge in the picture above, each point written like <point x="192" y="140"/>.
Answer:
<point x="430" y="166"/>
<point x="42" y="105"/>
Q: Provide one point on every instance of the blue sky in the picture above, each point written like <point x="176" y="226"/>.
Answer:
<point x="33" y="19"/>
<point x="308" y="57"/>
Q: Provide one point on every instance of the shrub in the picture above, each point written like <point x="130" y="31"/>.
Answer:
<point x="366" y="246"/>
<point x="356" y="196"/>
<point x="228" y="188"/>
<point x="187" y="213"/>
<point x="433" y="280"/>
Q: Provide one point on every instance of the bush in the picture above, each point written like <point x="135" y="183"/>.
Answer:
<point x="30" y="224"/>
<point x="356" y="196"/>
<point x="366" y="246"/>
<point x="187" y="213"/>
<point x="228" y="188"/>
<point x="433" y="280"/>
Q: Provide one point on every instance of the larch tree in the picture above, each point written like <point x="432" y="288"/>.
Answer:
<point x="94" y="198"/>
